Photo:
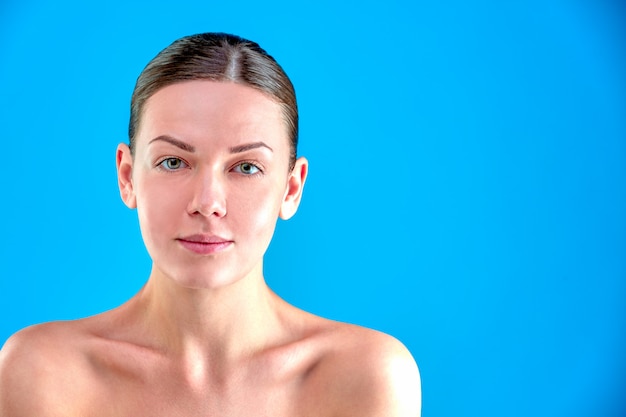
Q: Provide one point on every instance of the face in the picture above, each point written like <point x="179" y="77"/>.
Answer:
<point x="209" y="178"/>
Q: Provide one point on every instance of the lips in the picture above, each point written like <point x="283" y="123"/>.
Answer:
<point x="204" y="244"/>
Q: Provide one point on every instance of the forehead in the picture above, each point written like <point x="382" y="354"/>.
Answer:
<point x="200" y="110"/>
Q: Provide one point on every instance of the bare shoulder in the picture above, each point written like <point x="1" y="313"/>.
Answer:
<point x="370" y="373"/>
<point x="39" y="367"/>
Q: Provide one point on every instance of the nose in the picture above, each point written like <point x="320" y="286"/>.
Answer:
<point x="209" y="198"/>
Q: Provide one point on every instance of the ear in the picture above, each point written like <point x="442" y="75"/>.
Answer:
<point x="124" y="162"/>
<point x="295" y="186"/>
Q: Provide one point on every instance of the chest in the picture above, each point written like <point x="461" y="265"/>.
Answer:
<point x="167" y="392"/>
<point x="173" y="401"/>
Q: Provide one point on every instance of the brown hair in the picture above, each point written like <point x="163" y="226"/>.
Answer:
<point x="216" y="57"/>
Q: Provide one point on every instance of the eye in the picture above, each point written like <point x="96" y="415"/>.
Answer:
<point x="172" y="164"/>
<point x="247" y="168"/>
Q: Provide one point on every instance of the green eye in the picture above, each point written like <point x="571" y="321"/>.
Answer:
<point x="172" y="164"/>
<point x="247" y="168"/>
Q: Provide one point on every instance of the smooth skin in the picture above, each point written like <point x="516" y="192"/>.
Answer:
<point x="206" y="336"/>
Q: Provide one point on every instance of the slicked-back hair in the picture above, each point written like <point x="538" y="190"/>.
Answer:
<point x="216" y="57"/>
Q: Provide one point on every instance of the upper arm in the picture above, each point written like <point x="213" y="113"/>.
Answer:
<point x="392" y="383"/>
<point x="18" y="378"/>
<point x="400" y="384"/>
<point x="34" y="376"/>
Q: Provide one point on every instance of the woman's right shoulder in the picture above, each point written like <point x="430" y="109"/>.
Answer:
<point x="37" y="364"/>
<point x="37" y="342"/>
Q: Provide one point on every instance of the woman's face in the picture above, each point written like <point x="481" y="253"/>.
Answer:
<point x="209" y="178"/>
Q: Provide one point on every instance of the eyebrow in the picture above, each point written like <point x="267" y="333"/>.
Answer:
<point x="249" y="146"/>
<point x="178" y="143"/>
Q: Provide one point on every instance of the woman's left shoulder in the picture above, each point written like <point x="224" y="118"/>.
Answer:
<point x="375" y="354"/>
<point x="373" y="372"/>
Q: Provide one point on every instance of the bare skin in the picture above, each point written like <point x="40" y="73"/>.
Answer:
<point x="206" y="336"/>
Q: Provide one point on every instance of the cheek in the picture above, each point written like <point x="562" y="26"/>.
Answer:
<point x="258" y="209"/>
<point x="157" y="208"/>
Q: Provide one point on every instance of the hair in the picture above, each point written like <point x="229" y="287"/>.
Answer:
<point x="216" y="57"/>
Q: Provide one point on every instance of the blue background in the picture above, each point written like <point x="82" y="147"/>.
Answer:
<point x="467" y="191"/>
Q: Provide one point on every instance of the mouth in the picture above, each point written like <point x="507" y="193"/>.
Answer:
<point x="204" y="244"/>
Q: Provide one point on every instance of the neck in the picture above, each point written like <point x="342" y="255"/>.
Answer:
<point x="219" y="324"/>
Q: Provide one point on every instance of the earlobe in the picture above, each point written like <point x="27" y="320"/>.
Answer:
<point x="295" y="186"/>
<point x="124" y="161"/>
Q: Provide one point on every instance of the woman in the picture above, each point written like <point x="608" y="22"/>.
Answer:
<point x="210" y="166"/>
